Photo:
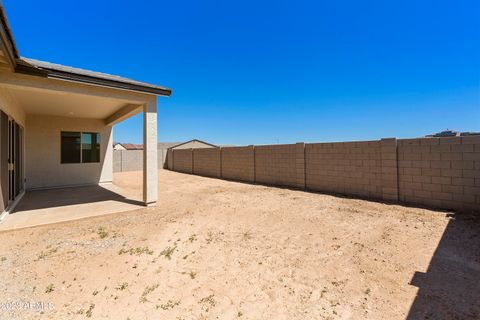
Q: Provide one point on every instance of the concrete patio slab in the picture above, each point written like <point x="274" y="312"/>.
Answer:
<point x="42" y="207"/>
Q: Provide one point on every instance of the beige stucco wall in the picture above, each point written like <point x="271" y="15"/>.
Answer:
<point x="42" y="146"/>
<point x="11" y="107"/>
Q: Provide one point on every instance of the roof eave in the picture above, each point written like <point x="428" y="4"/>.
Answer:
<point x="7" y="44"/>
<point x="68" y="76"/>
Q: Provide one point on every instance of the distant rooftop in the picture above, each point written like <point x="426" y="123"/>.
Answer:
<point x="131" y="146"/>
<point x="450" y="133"/>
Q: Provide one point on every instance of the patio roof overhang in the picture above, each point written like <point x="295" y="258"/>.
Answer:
<point x="51" y="89"/>
<point x="57" y="71"/>
<point x="56" y="97"/>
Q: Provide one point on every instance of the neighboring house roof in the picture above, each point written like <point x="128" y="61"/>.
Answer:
<point x="131" y="146"/>
<point x="166" y="145"/>
<point x="450" y="133"/>
<point x="193" y="140"/>
<point x="464" y="134"/>
<point x="57" y="71"/>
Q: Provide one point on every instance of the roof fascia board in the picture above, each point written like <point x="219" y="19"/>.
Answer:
<point x="6" y="46"/>
<point x="18" y="80"/>
<point x="55" y="74"/>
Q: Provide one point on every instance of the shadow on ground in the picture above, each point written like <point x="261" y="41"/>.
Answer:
<point x="450" y="289"/>
<point x="52" y="198"/>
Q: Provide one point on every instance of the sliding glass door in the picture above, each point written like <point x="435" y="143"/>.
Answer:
<point x="11" y="160"/>
<point x="15" y="148"/>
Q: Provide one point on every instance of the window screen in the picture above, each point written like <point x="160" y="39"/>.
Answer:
<point x="90" y="147"/>
<point x="70" y="147"/>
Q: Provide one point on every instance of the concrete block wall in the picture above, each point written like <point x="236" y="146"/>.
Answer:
<point x="440" y="172"/>
<point x="132" y="160"/>
<point x="277" y="165"/>
<point x="123" y="160"/>
<point x="238" y="163"/>
<point x="161" y="157"/>
<point x="389" y="170"/>
<point x="434" y="172"/>
<point x="183" y="160"/>
<point x="206" y="162"/>
<point x="169" y="161"/>
<point x="351" y="168"/>
<point x="117" y="161"/>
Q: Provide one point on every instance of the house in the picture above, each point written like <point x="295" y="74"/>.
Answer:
<point x="118" y="147"/>
<point x="127" y="146"/>
<point x="193" y="144"/>
<point x="166" y="145"/>
<point x="450" y="133"/>
<point x="56" y="124"/>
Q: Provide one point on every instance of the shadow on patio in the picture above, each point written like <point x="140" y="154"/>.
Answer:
<point x="450" y="289"/>
<point x="57" y="205"/>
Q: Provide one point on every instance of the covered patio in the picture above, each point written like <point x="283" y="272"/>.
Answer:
<point x="65" y="143"/>
<point x="56" y="138"/>
<point x="40" y="207"/>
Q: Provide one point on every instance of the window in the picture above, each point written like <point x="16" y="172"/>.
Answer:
<point x="80" y="147"/>
<point x="71" y="147"/>
<point x="90" y="147"/>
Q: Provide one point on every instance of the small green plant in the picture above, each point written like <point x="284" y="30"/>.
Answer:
<point x="122" y="286"/>
<point x="95" y="292"/>
<point x="169" y="305"/>
<point x="239" y="314"/>
<point x="45" y="254"/>
<point x="136" y="251"/>
<point x="168" y="251"/>
<point x="192" y="238"/>
<point x="247" y="235"/>
<point x="3" y="258"/>
<point x="210" y="237"/>
<point x="102" y="232"/>
<point x="90" y="310"/>
<point x="49" y="288"/>
<point x="147" y="291"/>
<point x="192" y="274"/>
<point x="208" y="300"/>
<point x="368" y="291"/>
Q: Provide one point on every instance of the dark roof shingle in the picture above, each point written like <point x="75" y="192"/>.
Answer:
<point x="53" y="70"/>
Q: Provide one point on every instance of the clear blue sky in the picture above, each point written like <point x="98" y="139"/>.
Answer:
<point x="259" y="72"/>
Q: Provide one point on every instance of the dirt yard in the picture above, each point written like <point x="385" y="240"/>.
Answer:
<point x="215" y="249"/>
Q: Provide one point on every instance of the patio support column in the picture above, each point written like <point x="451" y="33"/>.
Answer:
<point x="150" y="164"/>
